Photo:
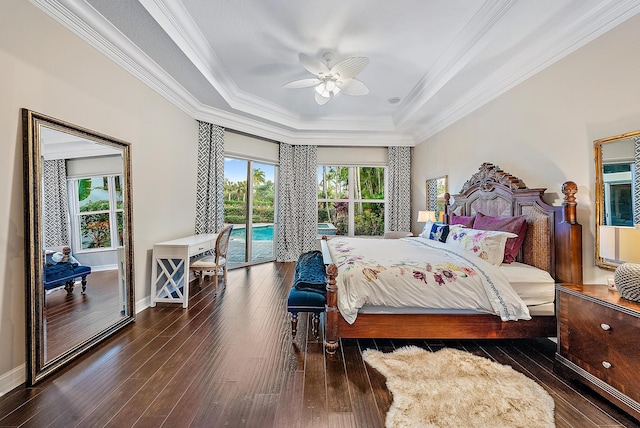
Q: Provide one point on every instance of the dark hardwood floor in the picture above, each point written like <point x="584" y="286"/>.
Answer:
<point x="72" y="318"/>
<point x="228" y="360"/>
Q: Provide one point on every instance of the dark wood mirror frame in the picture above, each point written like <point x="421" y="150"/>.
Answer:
<point x="38" y="367"/>
<point x="598" y="147"/>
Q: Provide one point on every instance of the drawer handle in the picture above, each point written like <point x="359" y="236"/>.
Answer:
<point x="605" y="326"/>
<point x="606" y="364"/>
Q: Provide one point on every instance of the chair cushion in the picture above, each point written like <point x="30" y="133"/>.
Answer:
<point x="208" y="262"/>
<point x="305" y="301"/>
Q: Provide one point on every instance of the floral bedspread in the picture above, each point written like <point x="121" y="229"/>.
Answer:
<point x="418" y="272"/>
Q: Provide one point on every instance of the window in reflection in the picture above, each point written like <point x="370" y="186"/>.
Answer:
<point x="98" y="211"/>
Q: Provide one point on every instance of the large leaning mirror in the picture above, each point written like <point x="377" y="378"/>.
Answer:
<point x="79" y="247"/>
<point x="617" y="163"/>
<point x="436" y="188"/>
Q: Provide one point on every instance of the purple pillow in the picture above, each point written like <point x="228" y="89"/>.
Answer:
<point x="463" y="220"/>
<point x="517" y="225"/>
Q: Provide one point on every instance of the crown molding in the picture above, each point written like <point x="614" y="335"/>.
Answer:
<point x="466" y="45"/>
<point x="578" y="32"/>
<point x="256" y="116"/>
<point x="90" y="26"/>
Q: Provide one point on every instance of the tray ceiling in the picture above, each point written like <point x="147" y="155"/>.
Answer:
<point x="225" y="61"/>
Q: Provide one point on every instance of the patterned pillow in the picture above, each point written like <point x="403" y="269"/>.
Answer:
<point x="517" y="225"/>
<point x="435" y="231"/>
<point x="462" y="220"/>
<point x="486" y="244"/>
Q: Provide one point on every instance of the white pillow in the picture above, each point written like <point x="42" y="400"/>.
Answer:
<point x="426" y="230"/>
<point x="486" y="244"/>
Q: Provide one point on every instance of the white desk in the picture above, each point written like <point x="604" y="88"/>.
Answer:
<point x="170" y="271"/>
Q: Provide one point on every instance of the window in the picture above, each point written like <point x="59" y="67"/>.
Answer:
<point x="250" y="204"/>
<point x="351" y="200"/>
<point x="98" y="215"/>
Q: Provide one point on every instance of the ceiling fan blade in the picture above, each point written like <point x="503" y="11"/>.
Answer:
<point x="302" y="83"/>
<point x="313" y="65"/>
<point x="353" y="87"/>
<point x="323" y="100"/>
<point x="350" y="67"/>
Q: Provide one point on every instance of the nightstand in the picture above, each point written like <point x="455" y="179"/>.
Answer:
<point x="599" y="342"/>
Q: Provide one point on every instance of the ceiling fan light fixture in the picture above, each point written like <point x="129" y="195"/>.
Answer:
<point x="328" y="88"/>
<point x="329" y="81"/>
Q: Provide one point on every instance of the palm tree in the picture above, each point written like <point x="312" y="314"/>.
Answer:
<point x="258" y="177"/>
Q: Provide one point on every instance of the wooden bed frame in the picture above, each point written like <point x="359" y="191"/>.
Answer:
<point x="553" y="242"/>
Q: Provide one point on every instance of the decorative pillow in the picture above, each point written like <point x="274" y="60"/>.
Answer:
<point x="435" y="231"/>
<point x="517" y="225"/>
<point x="486" y="244"/>
<point x="426" y="230"/>
<point x="462" y="220"/>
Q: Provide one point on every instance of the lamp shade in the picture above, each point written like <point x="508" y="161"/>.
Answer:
<point x="620" y="243"/>
<point x="425" y="216"/>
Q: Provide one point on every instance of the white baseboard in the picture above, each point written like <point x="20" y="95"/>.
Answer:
<point x="12" y="379"/>
<point x="143" y="304"/>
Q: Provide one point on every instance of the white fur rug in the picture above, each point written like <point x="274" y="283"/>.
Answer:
<point x="452" y="388"/>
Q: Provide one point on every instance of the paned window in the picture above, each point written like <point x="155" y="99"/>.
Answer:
<point x="351" y="200"/>
<point x="97" y="204"/>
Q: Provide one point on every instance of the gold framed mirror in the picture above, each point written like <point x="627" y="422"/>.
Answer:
<point x="617" y="167"/>
<point x="436" y="188"/>
<point x="78" y="238"/>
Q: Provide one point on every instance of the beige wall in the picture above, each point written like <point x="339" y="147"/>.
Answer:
<point x="46" y="68"/>
<point x="543" y="130"/>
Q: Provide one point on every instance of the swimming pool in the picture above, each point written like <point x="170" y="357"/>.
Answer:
<point x="260" y="233"/>
<point x="265" y="232"/>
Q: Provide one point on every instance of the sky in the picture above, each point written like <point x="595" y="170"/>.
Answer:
<point x="236" y="170"/>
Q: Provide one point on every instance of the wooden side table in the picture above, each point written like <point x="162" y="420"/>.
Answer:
<point x="599" y="342"/>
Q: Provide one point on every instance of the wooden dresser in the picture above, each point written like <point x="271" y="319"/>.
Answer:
<point x="599" y="342"/>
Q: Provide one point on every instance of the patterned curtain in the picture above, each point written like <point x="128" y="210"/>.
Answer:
<point x="297" y="207"/>
<point x="636" y="184"/>
<point x="399" y="188"/>
<point x="210" y="190"/>
<point x="57" y="228"/>
<point x="432" y="195"/>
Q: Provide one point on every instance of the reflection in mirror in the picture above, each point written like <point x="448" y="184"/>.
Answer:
<point x="79" y="266"/>
<point x="617" y="163"/>
<point x="436" y="188"/>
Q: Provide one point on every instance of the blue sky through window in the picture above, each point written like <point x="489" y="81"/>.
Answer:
<point x="236" y="170"/>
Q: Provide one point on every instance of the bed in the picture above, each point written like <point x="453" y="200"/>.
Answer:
<point x="552" y="245"/>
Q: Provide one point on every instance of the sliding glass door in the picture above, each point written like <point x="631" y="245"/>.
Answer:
<point x="249" y="188"/>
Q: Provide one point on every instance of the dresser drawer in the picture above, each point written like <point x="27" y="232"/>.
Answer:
<point x="601" y="340"/>
<point x="202" y="247"/>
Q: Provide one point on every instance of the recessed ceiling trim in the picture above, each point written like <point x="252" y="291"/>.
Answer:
<point x="89" y="25"/>
<point x="174" y="19"/>
<point x="463" y="49"/>
<point x="549" y="50"/>
<point x="277" y="133"/>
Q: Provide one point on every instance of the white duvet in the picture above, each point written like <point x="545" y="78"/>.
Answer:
<point x="418" y="272"/>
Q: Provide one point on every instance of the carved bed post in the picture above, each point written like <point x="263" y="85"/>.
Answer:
<point x="569" y="189"/>
<point x="447" y="199"/>
<point x="569" y="239"/>
<point x="331" y="311"/>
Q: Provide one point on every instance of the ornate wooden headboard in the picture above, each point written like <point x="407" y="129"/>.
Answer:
<point x="553" y="241"/>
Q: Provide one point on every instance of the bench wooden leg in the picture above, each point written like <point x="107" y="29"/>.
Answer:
<point x="294" y="325"/>
<point x="315" y="329"/>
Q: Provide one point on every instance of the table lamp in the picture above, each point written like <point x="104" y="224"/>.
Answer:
<point x="425" y="216"/>
<point x="622" y="244"/>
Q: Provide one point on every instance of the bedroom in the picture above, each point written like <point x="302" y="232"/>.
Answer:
<point x="542" y="130"/>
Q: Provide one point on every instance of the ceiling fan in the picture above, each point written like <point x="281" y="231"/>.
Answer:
<point x="330" y="81"/>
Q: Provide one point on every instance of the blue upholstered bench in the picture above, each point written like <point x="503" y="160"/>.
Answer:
<point x="308" y="293"/>
<point x="64" y="274"/>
